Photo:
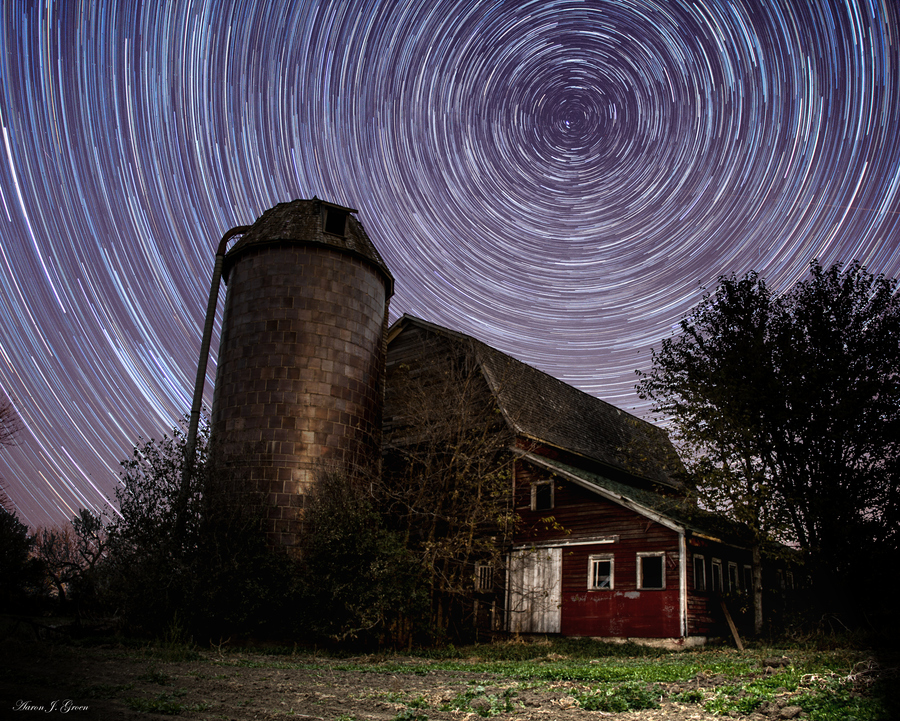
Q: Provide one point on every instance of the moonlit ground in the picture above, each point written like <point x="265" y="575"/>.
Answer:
<point x="559" y="179"/>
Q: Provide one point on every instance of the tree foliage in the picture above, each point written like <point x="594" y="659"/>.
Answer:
<point x="20" y="573"/>
<point x="446" y="485"/>
<point x="787" y="409"/>
<point x="359" y="581"/>
<point x="209" y="575"/>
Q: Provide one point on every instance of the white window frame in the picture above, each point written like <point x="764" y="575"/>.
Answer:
<point x="698" y="558"/>
<point x="484" y="577"/>
<point x="734" y="581"/>
<point x="534" y="495"/>
<point x="640" y="570"/>
<point x="601" y="558"/>
<point x="748" y="578"/>
<point x="718" y="581"/>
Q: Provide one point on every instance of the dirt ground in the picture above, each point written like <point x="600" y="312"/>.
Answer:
<point x="39" y="679"/>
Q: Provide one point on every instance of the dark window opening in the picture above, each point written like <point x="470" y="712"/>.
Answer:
<point x="716" y="575"/>
<point x="733" y="577"/>
<point x="541" y="496"/>
<point x="699" y="573"/>
<point x="651" y="572"/>
<point x="335" y="221"/>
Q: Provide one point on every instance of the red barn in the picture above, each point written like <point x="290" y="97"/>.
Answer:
<point x="606" y="543"/>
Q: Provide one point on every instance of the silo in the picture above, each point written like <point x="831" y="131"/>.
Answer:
<point x="299" y="383"/>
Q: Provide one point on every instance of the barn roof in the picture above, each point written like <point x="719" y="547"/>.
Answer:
<point x="542" y="408"/>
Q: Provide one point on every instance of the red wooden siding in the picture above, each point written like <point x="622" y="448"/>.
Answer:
<point x="577" y="514"/>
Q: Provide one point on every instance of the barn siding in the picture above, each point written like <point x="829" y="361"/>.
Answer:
<point x="578" y="514"/>
<point x="705" y="617"/>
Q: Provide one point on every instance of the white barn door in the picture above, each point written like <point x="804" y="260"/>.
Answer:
<point x="535" y="580"/>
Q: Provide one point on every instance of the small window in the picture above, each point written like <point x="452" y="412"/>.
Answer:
<point x="651" y="571"/>
<point x="335" y="221"/>
<point x="716" y="575"/>
<point x="699" y="573"/>
<point x="542" y="496"/>
<point x="748" y="579"/>
<point x="600" y="572"/>
<point x="484" y="577"/>
<point x="732" y="577"/>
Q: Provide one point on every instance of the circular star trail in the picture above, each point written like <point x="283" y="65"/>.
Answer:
<point x="558" y="178"/>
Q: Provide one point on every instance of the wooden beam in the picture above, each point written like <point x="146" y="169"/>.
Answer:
<point x="734" y="631"/>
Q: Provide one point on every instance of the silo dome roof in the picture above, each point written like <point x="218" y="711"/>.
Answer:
<point x="311" y="221"/>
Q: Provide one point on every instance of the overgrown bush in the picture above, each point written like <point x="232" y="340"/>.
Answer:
<point x="359" y="581"/>
<point x="180" y="555"/>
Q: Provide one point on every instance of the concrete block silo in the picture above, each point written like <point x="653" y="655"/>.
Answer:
<point x="300" y="375"/>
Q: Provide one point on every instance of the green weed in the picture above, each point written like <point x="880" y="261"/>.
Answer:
<point x="164" y="703"/>
<point x="410" y="714"/>
<point x="631" y="696"/>
<point x="476" y="699"/>
<point x="694" y="695"/>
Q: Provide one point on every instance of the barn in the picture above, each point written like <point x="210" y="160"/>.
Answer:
<point x="606" y="542"/>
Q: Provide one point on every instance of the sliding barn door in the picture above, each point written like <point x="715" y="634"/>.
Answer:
<point x="535" y="579"/>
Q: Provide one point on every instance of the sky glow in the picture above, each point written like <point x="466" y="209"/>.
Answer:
<point x="559" y="178"/>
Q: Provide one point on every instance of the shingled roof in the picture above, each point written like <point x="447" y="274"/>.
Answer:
<point x="542" y="408"/>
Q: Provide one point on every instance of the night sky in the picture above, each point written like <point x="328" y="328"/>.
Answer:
<point x="559" y="179"/>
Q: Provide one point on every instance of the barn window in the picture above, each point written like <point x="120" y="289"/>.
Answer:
<point x="732" y="576"/>
<point x="600" y="572"/>
<point x="542" y="496"/>
<point x="716" y="575"/>
<point x="699" y="573"/>
<point x="651" y="571"/>
<point x="484" y="577"/>
<point x="748" y="578"/>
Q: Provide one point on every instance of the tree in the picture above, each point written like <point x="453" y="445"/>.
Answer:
<point x="70" y="556"/>
<point x="446" y="485"/>
<point x="10" y="426"/>
<point x="20" y="573"/>
<point x="208" y="575"/>
<point x="787" y="410"/>
<point x="713" y="381"/>
<point x="359" y="582"/>
<point x="835" y="424"/>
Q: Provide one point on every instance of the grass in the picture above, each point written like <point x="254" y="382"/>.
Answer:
<point x="826" y="684"/>
<point x="829" y="683"/>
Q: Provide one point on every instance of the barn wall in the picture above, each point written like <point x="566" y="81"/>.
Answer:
<point x="577" y="514"/>
<point x="705" y="616"/>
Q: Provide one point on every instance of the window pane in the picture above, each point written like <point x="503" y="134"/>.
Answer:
<point x="601" y="572"/>
<point x="652" y="572"/>
<point x="699" y="574"/>
<point x="543" y="496"/>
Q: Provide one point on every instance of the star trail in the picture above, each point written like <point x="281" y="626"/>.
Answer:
<point x="559" y="178"/>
